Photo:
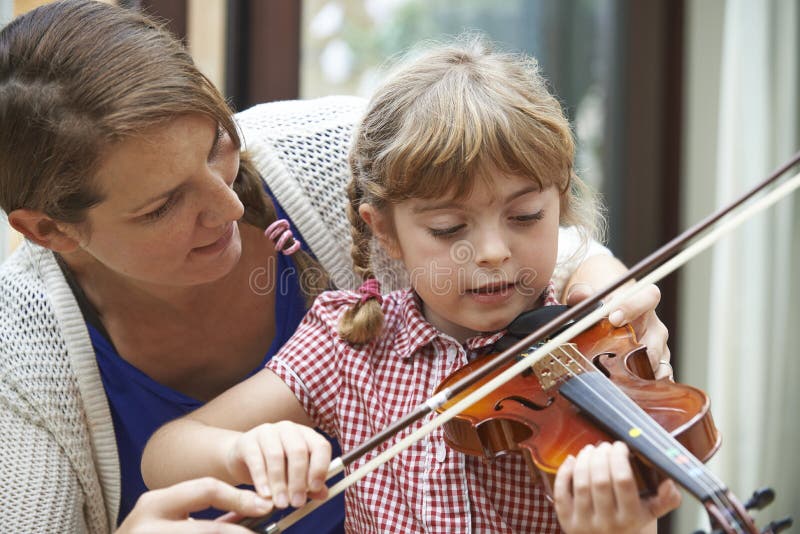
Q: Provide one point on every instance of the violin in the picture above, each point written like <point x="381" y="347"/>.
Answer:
<point x="565" y="402"/>
<point x="599" y="387"/>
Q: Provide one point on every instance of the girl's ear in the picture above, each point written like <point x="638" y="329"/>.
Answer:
<point x="382" y="228"/>
<point x="43" y="230"/>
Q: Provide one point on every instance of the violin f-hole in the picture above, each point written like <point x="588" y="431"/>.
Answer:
<point x="528" y="403"/>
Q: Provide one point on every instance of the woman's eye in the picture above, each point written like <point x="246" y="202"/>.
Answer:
<point x="530" y="217"/>
<point x="162" y="210"/>
<point x="446" y="232"/>
<point x="216" y="145"/>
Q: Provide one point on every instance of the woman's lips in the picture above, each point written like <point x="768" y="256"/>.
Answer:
<point x="217" y="245"/>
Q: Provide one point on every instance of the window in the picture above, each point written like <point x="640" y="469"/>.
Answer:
<point x="344" y="44"/>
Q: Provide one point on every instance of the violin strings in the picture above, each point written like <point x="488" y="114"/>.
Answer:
<point x="654" y="433"/>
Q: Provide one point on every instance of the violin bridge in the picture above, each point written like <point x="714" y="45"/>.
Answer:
<point x="563" y="362"/>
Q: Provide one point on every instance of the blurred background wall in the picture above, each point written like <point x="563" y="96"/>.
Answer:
<point x="677" y="106"/>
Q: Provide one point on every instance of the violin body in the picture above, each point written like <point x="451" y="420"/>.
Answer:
<point x="531" y="416"/>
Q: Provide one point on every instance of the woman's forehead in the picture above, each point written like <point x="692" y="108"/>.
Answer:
<point x="134" y="168"/>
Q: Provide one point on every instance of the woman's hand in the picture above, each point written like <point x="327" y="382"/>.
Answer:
<point x="596" y="492"/>
<point x="285" y="461"/>
<point x="639" y="309"/>
<point x="167" y="510"/>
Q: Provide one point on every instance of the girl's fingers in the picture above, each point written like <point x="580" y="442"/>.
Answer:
<point x="253" y="458"/>
<point x="562" y="491"/>
<point x="667" y="499"/>
<point x="272" y="451"/>
<point x="626" y="493"/>
<point x="297" y="454"/>
<point x="318" y="463"/>
<point x="602" y="492"/>
<point x="581" y="483"/>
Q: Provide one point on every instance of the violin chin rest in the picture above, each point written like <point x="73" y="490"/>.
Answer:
<point x="528" y="322"/>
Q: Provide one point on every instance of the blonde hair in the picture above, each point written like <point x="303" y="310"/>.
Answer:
<point x="77" y="76"/>
<point x="438" y="124"/>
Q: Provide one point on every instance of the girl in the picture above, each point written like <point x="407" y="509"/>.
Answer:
<point x="462" y="169"/>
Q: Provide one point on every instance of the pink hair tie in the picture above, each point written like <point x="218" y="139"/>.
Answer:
<point x="280" y="233"/>
<point x="370" y="289"/>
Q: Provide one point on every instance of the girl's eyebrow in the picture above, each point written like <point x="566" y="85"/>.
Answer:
<point x="450" y="204"/>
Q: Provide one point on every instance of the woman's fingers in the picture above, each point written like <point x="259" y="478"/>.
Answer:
<point x="639" y="310"/>
<point x="636" y="306"/>
<point x="198" y="494"/>
<point x="166" y="510"/>
<point x="578" y="292"/>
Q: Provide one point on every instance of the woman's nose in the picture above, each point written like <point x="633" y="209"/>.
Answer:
<point x="223" y="206"/>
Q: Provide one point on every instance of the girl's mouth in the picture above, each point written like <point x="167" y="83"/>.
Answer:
<point x="492" y="289"/>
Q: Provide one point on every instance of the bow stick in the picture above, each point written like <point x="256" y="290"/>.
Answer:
<point x="585" y="313"/>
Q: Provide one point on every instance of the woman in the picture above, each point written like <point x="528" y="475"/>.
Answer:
<point x="146" y="286"/>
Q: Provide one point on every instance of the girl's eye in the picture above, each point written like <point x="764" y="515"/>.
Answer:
<point x="530" y="217"/>
<point x="163" y="209"/>
<point x="446" y="232"/>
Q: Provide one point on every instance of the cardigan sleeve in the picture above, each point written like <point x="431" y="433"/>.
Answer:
<point x="49" y="453"/>
<point x="573" y="249"/>
<point x="41" y="492"/>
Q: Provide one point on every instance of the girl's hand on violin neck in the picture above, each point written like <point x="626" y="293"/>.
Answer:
<point x="286" y="462"/>
<point x="596" y="492"/>
<point x="639" y="310"/>
<point x="167" y="510"/>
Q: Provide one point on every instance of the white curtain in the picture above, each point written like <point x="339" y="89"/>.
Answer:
<point x="740" y="318"/>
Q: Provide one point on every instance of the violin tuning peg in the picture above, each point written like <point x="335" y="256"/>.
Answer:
<point x="761" y="497"/>
<point x="778" y="526"/>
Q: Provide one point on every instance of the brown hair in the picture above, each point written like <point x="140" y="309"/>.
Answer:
<point x="438" y="124"/>
<point x="77" y="76"/>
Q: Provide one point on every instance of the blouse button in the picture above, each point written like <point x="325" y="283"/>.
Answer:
<point x="441" y="452"/>
<point x="452" y="352"/>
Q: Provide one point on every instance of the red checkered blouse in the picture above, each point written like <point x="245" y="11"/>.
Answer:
<point x="352" y="392"/>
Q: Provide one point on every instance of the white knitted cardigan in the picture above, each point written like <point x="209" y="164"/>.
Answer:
<point x="59" y="469"/>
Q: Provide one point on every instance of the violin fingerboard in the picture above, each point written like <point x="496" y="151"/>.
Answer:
<point x="602" y="401"/>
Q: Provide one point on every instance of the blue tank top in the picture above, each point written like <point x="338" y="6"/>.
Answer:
<point x="140" y="405"/>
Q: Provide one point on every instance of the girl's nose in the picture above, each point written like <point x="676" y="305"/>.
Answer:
<point x="491" y="249"/>
<point x="223" y="205"/>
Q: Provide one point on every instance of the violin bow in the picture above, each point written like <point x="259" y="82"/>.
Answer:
<point x="652" y="268"/>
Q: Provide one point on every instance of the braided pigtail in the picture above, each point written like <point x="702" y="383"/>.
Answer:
<point x="363" y="322"/>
